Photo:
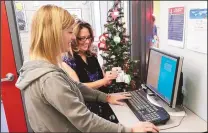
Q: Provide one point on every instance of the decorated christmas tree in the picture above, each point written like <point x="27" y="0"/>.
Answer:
<point x="115" y="44"/>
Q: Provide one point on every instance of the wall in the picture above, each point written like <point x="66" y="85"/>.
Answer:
<point x="31" y="6"/>
<point x="156" y="11"/>
<point x="194" y="65"/>
<point x="93" y="12"/>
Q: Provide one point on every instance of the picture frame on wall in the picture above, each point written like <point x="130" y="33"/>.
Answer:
<point x="20" y="16"/>
<point x="75" y="12"/>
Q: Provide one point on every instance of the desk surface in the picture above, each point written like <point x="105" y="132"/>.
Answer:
<point x="190" y="123"/>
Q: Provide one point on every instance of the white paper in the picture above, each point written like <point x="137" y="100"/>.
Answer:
<point x="127" y="78"/>
<point x="120" y="77"/>
<point x="120" y="72"/>
<point x="116" y="69"/>
<point x="197" y="29"/>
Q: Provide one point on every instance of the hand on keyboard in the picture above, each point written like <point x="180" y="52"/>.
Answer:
<point x="145" y="127"/>
<point x="146" y="111"/>
<point x="115" y="98"/>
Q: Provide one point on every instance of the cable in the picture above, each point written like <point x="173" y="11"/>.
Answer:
<point x="179" y="122"/>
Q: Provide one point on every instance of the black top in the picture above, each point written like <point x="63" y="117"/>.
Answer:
<point x="87" y="72"/>
<point x="91" y="72"/>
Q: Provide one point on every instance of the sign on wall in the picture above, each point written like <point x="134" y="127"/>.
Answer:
<point x="197" y="30"/>
<point x="176" y="23"/>
<point x="20" y="16"/>
<point x="76" y="12"/>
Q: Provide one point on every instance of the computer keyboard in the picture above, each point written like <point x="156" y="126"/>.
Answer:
<point x="146" y="111"/>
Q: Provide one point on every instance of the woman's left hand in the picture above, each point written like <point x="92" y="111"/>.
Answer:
<point x="115" y="98"/>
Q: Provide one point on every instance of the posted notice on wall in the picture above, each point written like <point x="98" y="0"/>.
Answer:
<point x="176" y="17"/>
<point x="197" y="30"/>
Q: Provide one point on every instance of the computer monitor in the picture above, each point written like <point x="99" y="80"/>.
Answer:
<point x="163" y="75"/>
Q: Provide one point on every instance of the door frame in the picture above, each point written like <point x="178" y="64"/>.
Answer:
<point x="17" y="49"/>
<point x="16" y="45"/>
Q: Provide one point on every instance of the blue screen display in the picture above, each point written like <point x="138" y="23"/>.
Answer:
<point x="166" y="77"/>
<point x="161" y="74"/>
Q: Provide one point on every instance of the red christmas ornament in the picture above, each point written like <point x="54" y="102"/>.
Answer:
<point x="102" y="46"/>
<point x="106" y="35"/>
<point x="102" y="38"/>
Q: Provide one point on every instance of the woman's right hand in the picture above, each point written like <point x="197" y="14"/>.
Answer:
<point x="145" y="127"/>
<point x="109" y="76"/>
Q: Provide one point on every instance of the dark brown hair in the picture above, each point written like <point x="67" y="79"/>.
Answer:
<point x="78" y="27"/>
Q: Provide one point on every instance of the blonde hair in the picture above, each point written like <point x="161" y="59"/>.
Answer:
<point x="46" y="32"/>
<point x="77" y="28"/>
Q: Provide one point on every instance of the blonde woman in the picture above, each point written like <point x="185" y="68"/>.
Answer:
<point x="54" y="102"/>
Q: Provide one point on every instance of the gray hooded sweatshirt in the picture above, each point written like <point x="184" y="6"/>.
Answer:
<point x="55" y="103"/>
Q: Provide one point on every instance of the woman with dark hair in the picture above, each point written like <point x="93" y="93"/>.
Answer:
<point x="86" y="68"/>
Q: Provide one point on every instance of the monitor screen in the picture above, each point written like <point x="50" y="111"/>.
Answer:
<point x="161" y="74"/>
